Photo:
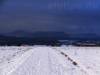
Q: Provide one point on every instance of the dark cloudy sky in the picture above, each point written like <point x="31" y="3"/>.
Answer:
<point x="72" y="16"/>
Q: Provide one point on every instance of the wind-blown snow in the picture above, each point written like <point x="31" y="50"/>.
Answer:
<point x="43" y="60"/>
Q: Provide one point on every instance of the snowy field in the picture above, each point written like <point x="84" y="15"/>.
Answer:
<point x="43" y="60"/>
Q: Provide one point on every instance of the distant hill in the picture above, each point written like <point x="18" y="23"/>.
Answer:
<point x="39" y="38"/>
<point x="39" y="34"/>
<point x="20" y="33"/>
<point x="51" y="35"/>
<point x="44" y="38"/>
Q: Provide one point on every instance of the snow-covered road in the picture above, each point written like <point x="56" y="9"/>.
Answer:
<point x="38" y="61"/>
<point x="45" y="61"/>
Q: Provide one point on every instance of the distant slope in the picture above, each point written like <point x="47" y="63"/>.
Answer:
<point x="38" y="34"/>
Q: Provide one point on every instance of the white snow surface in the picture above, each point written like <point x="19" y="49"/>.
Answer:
<point x="47" y="60"/>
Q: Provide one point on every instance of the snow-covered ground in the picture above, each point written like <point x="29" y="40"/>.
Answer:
<point x="43" y="60"/>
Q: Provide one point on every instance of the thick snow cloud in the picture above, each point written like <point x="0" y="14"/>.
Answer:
<point x="75" y="16"/>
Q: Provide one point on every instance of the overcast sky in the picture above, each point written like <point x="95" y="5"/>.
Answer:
<point x="73" y="16"/>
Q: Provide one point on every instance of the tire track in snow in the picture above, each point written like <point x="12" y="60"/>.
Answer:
<point x="75" y="62"/>
<point x="12" y="66"/>
<point x="56" y="67"/>
<point x="42" y="61"/>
